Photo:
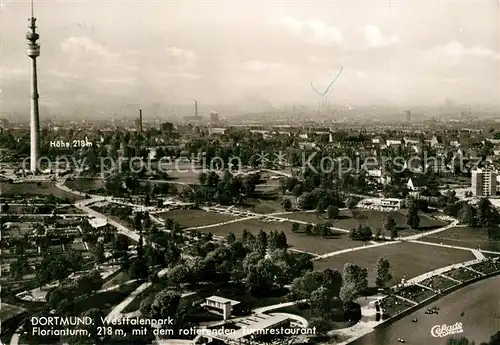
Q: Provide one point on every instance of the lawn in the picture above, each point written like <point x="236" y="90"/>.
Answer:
<point x="183" y="172"/>
<point x="407" y="260"/>
<point x="267" y="203"/>
<point x="36" y="188"/>
<point x="438" y="283"/>
<point x="462" y="274"/>
<point x="465" y="237"/>
<point x="191" y="218"/>
<point x="85" y="184"/>
<point x="373" y="219"/>
<point x="300" y="241"/>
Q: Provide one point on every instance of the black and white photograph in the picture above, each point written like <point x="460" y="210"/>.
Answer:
<point x="249" y="172"/>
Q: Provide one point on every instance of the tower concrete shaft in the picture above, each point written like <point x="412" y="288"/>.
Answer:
<point x="33" y="52"/>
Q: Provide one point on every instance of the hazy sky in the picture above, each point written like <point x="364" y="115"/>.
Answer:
<point x="403" y="52"/>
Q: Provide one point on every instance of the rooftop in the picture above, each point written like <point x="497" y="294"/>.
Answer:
<point x="97" y="222"/>
<point x="222" y="300"/>
<point x="257" y="323"/>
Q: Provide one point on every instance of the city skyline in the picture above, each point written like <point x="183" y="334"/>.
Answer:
<point x="396" y="53"/>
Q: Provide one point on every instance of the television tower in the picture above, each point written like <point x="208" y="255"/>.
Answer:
<point x="33" y="52"/>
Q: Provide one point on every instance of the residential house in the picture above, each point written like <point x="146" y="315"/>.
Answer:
<point x="377" y="175"/>
<point x="378" y="140"/>
<point x="411" y="141"/>
<point x="436" y="141"/>
<point x="496" y="150"/>
<point x="391" y="142"/>
<point x="217" y="131"/>
<point x="416" y="183"/>
<point x="307" y="145"/>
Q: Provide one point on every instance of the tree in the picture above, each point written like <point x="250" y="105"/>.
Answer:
<point x="145" y="306"/>
<point x="487" y="215"/>
<point x="308" y="229"/>
<point x="262" y="241"/>
<point x="355" y="281"/>
<point x="97" y="253"/>
<point x="322" y="204"/>
<point x="295" y="227"/>
<point x="138" y="269"/>
<point x="351" y="202"/>
<point x="165" y="305"/>
<point x="467" y="215"/>
<point x="93" y="329"/>
<point x="231" y="238"/>
<point x="362" y="233"/>
<point x="391" y="227"/>
<point x="332" y="211"/>
<point x="382" y="272"/>
<point x="323" y="302"/>
<point x="203" y="177"/>
<point x="178" y="275"/>
<point x="257" y="281"/>
<point x="146" y="221"/>
<point x="138" y="221"/>
<point x="321" y="325"/>
<point x="140" y="248"/>
<point x="412" y="218"/>
<point x="287" y="204"/>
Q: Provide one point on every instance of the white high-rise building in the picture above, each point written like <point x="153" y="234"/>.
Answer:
<point x="484" y="182"/>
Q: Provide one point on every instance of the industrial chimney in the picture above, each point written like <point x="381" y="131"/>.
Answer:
<point x="140" y="120"/>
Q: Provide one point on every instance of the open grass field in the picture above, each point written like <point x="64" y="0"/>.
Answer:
<point x="269" y="203"/>
<point x="465" y="237"/>
<point x="190" y="218"/>
<point x="407" y="260"/>
<point x="311" y="244"/>
<point x="85" y="184"/>
<point x="183" y="172"/>
<point x="8" y="311"/>
<point x="34" y="188"/>
<point x="373" y="219"/>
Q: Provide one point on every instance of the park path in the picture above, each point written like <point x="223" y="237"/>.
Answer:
<point x="262" y="310"/>
<point x="348" y="250"/>
<point x="120" y="228"/>
<point x="116" y="313"/>
<point x="453" y="224"/>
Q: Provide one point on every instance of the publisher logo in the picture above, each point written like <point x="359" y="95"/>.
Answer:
<point x="440" y="331"/>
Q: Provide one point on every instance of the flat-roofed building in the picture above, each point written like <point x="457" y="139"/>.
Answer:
<point x="97" y="223"/>
<point x="258" y="325"/>
<point x="220" y="305"/>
